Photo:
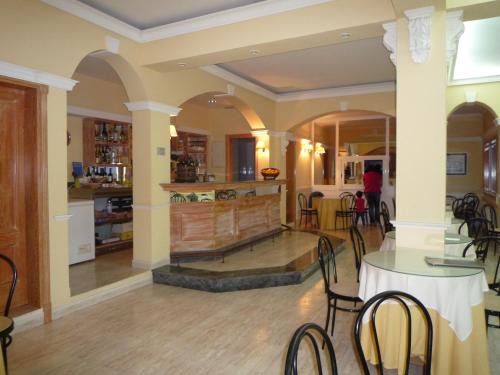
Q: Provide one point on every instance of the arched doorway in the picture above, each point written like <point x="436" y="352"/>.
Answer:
<point x="472" y="156"/>
<point x="215" y="131"/>
<point x="100" y="170"/>
<point x="333" y="150"/>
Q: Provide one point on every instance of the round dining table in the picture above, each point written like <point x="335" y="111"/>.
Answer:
<point x="454" y="244"/>
<point x="327" y="208"/>
<point x="453" y="297"/>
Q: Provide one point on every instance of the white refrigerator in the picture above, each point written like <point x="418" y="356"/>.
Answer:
<point x="81" y="230"/>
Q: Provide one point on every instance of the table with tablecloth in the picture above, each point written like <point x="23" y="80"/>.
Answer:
<point x="326" y="211"/>
<point x="454" y="244"/>
<point x="453" y="298"/>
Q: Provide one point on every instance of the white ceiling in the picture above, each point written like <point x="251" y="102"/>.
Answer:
<point x="352" y="63"/>
<point x="144" y="14"/>
<point x="479" y="50"/>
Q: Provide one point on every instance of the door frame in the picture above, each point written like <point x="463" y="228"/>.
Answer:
<point x="38" y="288"/>
<point x="291" y="165"/>
<point x="229" y="153"/>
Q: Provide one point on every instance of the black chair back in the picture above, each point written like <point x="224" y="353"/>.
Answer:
<point x="347" y="203"/>
<point x="384" y="209"/>
<point x="450" y="199"/>
<point x="326" y="259"/>
<point x="315" y="194"/>
<point x="482" y="244"/>
<point x="371" y="307"/>
<point x="471" y="201"/>
<point x="358" y="245"/>
<point x="302" y="201"/>
<point x="310" y="330"/>
<point x="343" y="194"/>
<point x="13" y="282"/>
<point x="490" y="214"/>
<point x="385" y="223"/>
<point x="477" y="227"/>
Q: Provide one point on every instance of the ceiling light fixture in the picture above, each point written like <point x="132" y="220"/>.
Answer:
<point x="181" y="64"/>
<point x="345" y="35"/>
<point x="254" y="52"/>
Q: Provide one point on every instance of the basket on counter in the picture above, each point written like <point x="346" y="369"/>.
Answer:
<point x="270" y="173"/>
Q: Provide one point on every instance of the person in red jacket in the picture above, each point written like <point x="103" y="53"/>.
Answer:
<point x="372" y="180"/>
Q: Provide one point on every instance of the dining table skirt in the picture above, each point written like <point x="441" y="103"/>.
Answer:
<point x="326" y="212"/>
<point x="449" y="354"/>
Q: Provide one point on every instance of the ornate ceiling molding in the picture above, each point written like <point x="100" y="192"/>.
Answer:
<point x="419" y="26"/>
<point x="153" y="106"/>
<point x="454" y="30"/>
<point x="390" y="39"/>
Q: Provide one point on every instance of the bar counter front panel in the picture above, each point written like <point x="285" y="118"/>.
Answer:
<point x="208" y="227"/>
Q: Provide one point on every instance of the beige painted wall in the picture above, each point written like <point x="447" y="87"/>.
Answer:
<point x="473" y="180"/>
<point x="487" y="93"/>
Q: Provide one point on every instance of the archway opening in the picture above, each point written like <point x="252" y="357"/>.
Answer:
<point x="99" y="173"/>
<point x="215" y="134"/>
<point x="472" y="141"/>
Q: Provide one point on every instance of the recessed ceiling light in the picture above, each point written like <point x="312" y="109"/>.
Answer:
<point x="345" y="35"/>
<point x="212" y="100"/>
<point x="181" y="64"/>
<point x="254" y="52"/>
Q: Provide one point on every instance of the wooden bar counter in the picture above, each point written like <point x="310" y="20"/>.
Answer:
<point x="210" y="229"/>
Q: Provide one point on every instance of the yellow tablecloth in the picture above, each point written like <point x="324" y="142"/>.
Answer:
<point x="326" y="212"/>
<point x="449" y="354"/>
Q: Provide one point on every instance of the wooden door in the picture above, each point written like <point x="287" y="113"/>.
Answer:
<point x="290" y="183"/>
<point x="16" y="154"/>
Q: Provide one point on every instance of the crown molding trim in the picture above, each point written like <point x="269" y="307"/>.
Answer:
<point x="153" y="106"/>
<point x="226" y="17"/>
<point x="87" y="112"/>
<point x="36" y="76"/>
<point x="188" y="129"/>
<point x="96" y="17"/>
<point x="260" y="132"/>
<point x="237" y="80"/>
<point x="370" y="88"/>
<point x="473" y="81"/>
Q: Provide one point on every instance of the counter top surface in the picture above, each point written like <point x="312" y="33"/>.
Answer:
<point x="208" y="186"/>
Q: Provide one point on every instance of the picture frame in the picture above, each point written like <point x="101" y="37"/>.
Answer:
<point x="456" y="164"/>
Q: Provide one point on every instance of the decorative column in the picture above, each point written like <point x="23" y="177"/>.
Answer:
<point x="278" y="143"/>
<point x="151" y="166"/>
<point x="421" y="129"/>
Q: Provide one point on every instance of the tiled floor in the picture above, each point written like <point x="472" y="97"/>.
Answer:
<point x="104" y="270"/>
<point x="160" y="329"/>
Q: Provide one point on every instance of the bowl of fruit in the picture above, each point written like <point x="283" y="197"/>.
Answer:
<point x="270" y="173"/>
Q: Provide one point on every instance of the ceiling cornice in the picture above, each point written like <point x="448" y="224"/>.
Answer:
<point x="226" y="17"/>
<point x="473" y="81"/>
<point x="87" y="112"/>
<point x="153" y="106"/>
<point x="237" y="80"/>
<point x="370" y="88"/>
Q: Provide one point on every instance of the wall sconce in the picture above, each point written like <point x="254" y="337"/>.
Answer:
<point x="307" y="147"/>
<point x="173" y="131"/>
<point x="319" y="150"/>
<point x="260" y="145"/>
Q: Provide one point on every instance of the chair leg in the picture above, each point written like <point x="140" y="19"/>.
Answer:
<point x="334" y="312"/>
<point x="335" y="221"/>
<point x="300" y="223"/>
<point x="4" y="353"/>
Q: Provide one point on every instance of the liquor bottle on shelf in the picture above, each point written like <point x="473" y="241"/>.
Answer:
<point x="123" y="135"/>
<point x="116" y="133"/>
<point x="110" y="176"/>
<point x="104" y="133"/>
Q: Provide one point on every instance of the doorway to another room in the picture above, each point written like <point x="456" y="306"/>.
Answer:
<point x="241" y="157"/>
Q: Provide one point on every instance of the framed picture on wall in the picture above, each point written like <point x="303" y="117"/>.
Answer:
<point x="456" y="164"/>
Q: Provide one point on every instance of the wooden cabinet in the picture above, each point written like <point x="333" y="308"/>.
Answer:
<point x="191" y="145"/>
<point x="107" y="143"/>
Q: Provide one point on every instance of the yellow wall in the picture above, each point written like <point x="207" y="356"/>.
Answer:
<point x="487" y="93"/>
<point x="473" y="180"/>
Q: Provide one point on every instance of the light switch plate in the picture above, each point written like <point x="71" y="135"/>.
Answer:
<point x="160" y="151"/>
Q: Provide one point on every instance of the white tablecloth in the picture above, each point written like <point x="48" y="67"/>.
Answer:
<point x="451" y="297"/>
<point x="455" y="249"/>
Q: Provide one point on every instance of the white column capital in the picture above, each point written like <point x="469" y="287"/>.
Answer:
<point x="153" y="106"/>
<point x="419" y="26"/>
<point x="390" y="39"/>
<point x="259" y="133"/>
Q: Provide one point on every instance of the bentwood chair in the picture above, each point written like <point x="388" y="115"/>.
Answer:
<point x="326" y="259"/>
<point x="371" y="307"/>
<point x="306" y="211"/>
<point x="177" y="198"/>
<point x="346" y="212"/>
<point x="311" y="331"/>
<point x="477" y="227"/>
<point x="492" y="299"/>
<point x="358" y="245"/>
<point x="489" y="213"/>
<point x="6" y="323"/>
<point x="482" y="244"/>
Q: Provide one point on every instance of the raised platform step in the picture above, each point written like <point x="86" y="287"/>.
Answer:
<point x="210" y="280"/>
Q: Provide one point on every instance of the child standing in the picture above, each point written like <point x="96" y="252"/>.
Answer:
<point x="359" y="208"/>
